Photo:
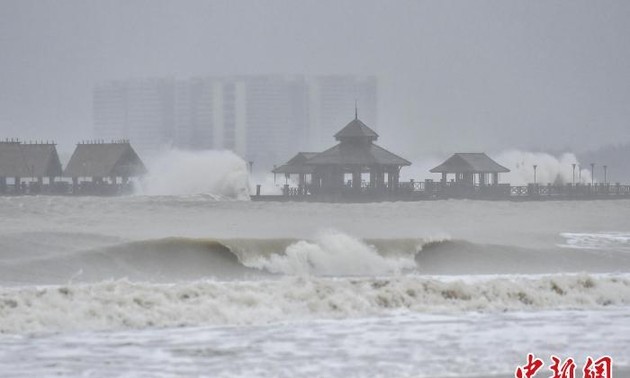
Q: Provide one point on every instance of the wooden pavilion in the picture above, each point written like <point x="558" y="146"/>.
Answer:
<point x="341" y="169"/>
<point x="297" y="166"/>
<point x="104" y="164"/>
<point x="471" y="169"/>
<point x="31" y="161"/>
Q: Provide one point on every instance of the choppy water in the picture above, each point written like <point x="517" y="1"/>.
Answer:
<point x="192" y="286"/>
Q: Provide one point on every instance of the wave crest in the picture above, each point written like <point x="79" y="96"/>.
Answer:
<point x="334" y="254"/>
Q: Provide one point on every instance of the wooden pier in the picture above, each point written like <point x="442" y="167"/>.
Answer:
<point x="429" y="190"/>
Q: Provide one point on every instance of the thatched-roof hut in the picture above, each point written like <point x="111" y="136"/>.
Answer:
<point x="100" y="161"/>
<point x="28" y="160"/>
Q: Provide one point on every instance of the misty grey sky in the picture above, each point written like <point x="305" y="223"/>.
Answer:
<point x="454" y="75"/>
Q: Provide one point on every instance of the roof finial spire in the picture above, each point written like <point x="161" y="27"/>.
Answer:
<point x="356" y="109"/>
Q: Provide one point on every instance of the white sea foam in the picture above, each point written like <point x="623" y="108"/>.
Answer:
<point x="177" y="172"/>
<point x="617" y="241"/>
<point x="123" y="304"/>
<point x="411" y="345"/>
<point x="333" y="253"/>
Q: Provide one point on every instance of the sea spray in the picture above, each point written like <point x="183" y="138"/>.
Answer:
<point x="268" y="185"/>
<point x="549" y="169"/>
<point x="177" y="172"/>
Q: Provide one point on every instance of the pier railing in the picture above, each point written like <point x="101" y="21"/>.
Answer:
<point x="433" y="190"/>
<point x="67" y="188"/>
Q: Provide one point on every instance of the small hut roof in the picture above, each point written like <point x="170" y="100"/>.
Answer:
<point x="469" y="163"/>
<point x="29" y="160"/>
<point x="41" y="160"/>
<point x="11" y="160"/>
<point x="350" y="154"/>
<point x="104" y="160"/>
<point x="356" y="130"/>
<point x="296" y="164"/>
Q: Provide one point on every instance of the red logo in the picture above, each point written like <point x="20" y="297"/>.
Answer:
<point x="566" y="370"/>
<point x="530" y="369"/>
<point x="600" y="368"/>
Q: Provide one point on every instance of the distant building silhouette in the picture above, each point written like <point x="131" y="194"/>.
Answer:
<point x="263" y="118"/>
<point x="142" y="111"/>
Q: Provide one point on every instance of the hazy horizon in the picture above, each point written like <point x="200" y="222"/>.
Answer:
<point x="453" y="75"/>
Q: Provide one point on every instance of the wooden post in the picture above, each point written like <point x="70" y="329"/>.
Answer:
<point x="373" y="177"/>
<point x="356" y="180"/>
<point x="396" y="179"/>
<point x="315" y="182"/>
<point x="258" y="190"/>
<point x="3" y="184"/>
<point x="301" y="184"/>
<point x="381" y="178"/>
<point x="428" y="186"/>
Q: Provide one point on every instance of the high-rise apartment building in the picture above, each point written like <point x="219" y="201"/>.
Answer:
<point x="139" y="110"/>
<point x="263" y="118"/>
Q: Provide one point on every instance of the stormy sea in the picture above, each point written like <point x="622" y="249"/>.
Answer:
<point x="196" y="285"/>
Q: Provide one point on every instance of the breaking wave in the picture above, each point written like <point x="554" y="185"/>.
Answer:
<point x="122" y="304"/>
<point x="332" y="253"/>
<point x="337" y="254"/>
<point x="186" y="259"/>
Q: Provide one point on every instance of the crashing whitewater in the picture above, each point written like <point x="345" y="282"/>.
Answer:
<point x="122" y="304"/>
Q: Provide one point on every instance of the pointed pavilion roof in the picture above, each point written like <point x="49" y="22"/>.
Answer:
<point x="356" y="148"/>
<point x="357" y="155"/>
<point x="356" y="130"/>
<point x="469" y="163"/>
